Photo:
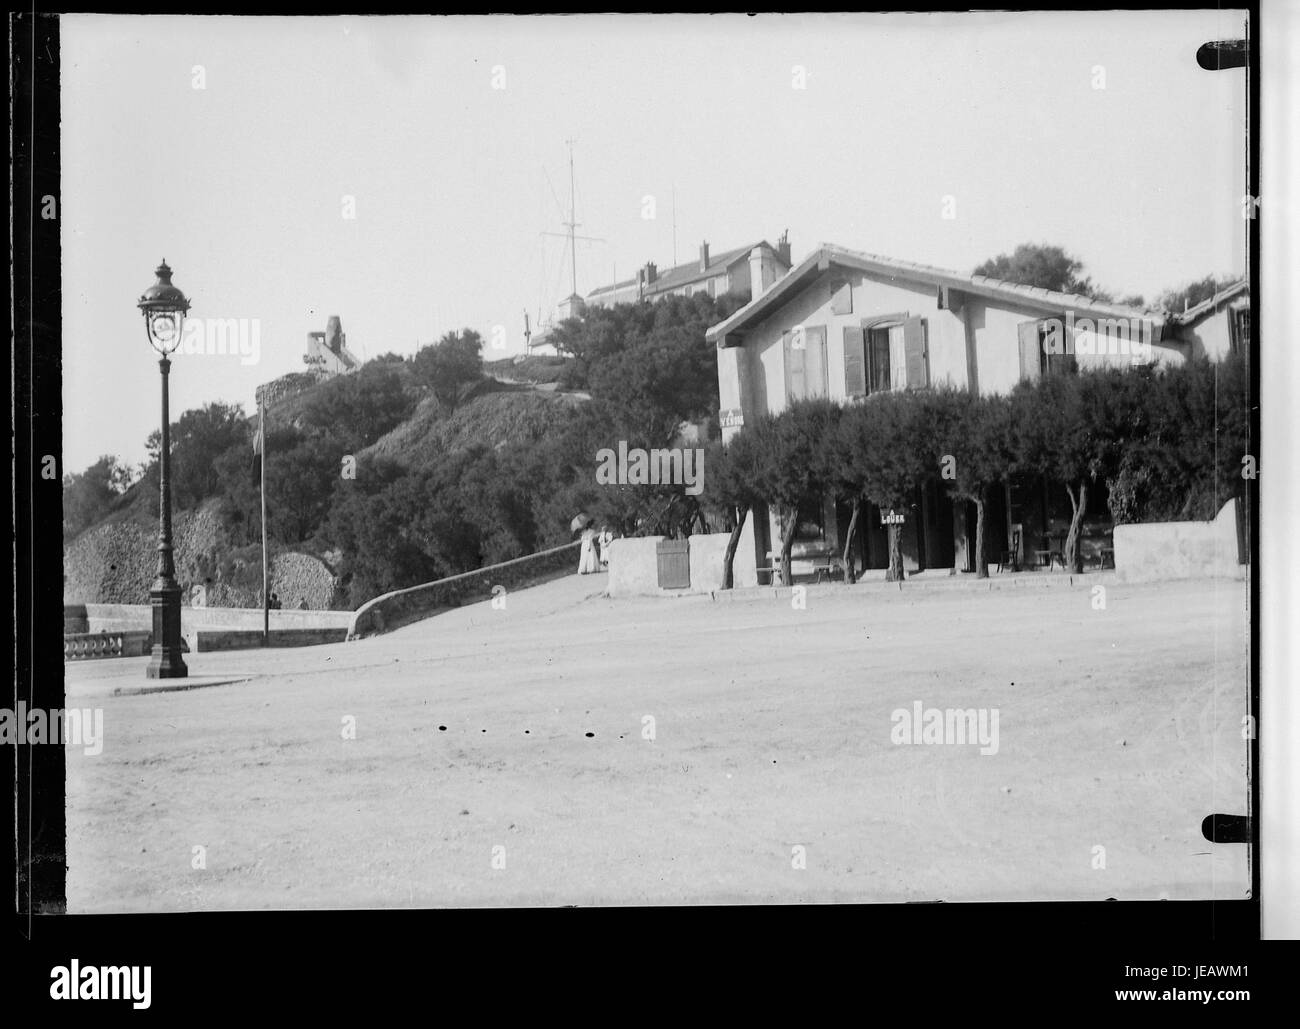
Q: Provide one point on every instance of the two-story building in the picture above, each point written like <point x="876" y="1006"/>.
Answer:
<point x="736" y="271"/>
<point x="745" y="271"/>
<point x="844" y="324"/>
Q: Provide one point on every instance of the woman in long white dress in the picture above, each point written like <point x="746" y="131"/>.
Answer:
<point x="602" y="543"/>
<point x="589" y="561"/>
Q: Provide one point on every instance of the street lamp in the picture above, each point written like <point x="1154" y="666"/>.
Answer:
<point x="164" y="308"/>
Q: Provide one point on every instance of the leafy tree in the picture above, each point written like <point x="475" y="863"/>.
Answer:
<point x="370" y="522"/>
<point x="357" y="409"/>
<point x="198" y="438"/>
<point x="649" y="360"/>
<point x="795" y="463"/>
<point x="89" y="496"/>
<point x="449" y="365"/>
<point x="1053" y="437"/>
<point x="734" y="472"/>
<point x="1037" y="264"/>
<point x="973" y="440"/>
<point x="881" y="450"/>
<point x="1184" y="459"/>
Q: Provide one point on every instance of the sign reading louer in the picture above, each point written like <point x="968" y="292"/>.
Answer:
<point x="890" y="518"/>
<point x="731" y="419"/>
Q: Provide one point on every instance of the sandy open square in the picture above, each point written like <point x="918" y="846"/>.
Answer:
<point x="501" y="756"/>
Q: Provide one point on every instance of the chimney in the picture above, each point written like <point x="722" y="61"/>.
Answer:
<point x="650" y="272"/>
<point x="334" y="333"/>
<point x="783" y="248"/>
<point x="704" y="256"/>
<point x="758" y="257"/>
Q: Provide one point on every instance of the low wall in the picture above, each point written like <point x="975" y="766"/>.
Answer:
<point x="1179" y="550"/>
<point x="251" y="639"/>
<point x="401" y="607"/>
<point x="123" y="616"/>
<point x="128" y="617"/>
<point x="634" y="564"/>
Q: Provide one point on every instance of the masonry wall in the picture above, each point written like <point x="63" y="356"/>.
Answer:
<point x="634" y="564"/>
<point x="110" y="618"/>
<point x="1179" y="550"/>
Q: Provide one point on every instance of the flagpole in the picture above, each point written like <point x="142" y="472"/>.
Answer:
<point x="266" y="596"/>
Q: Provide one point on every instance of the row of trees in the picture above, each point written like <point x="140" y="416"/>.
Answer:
<point x="1167" y="444"/>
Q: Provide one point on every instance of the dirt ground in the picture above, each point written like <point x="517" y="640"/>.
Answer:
<point x="501" y="756"/>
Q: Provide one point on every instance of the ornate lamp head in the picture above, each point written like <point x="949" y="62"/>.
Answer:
<point x="164" y="308"/>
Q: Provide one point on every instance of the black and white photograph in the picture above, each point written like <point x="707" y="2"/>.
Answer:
<point x="651" y="461"/>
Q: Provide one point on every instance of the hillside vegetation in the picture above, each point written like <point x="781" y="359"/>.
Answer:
<point x="409" y="469"/>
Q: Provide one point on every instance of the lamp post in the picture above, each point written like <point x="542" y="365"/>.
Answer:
<point x="164" y="308"/>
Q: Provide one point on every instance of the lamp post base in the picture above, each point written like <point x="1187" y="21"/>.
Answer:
<point x="166" y="661"/>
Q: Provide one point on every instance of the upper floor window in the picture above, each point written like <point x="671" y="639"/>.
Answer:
<point x="889" y="352"/>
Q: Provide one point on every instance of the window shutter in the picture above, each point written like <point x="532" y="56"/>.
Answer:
<point x="841" y="297"/>
<point x="918" y="364"/>
<point x="855" y="362"/>
<point x="794" y="367"/>
<point x="1029" y="351"/>
<point x="815" y="382"/>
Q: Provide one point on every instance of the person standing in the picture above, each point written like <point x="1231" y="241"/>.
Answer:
<point x="588" y="562"/>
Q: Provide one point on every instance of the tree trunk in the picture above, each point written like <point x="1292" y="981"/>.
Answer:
<point x="895" y="573"/>
<point x="850" y="574"/>
<point x="981" y="560"/>
<point x="728" y="559"/>
<point x="1073" y="553"/>
<point x="787" y="541"/>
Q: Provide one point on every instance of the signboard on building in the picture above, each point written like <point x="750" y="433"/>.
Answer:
<point x="891" y="518"/>
<point x="732" y="418"/>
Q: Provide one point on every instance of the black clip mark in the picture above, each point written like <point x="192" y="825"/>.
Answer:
<point x="1226" y="828"/>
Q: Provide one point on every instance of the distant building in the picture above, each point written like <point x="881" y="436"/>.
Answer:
<point x="1219" y="325"/>
<point x="328" y="350"/>
<point x="745" y="270"/>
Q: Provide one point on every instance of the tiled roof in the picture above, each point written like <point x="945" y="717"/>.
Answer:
<point x="688" y="272"/>
<point x="827" y="254"/>
<point x="1196" y="313"/>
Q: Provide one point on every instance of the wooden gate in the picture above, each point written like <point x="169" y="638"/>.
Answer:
<point x="674" y="564"/>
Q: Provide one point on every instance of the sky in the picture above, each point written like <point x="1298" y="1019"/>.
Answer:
<point x="236" y="147"/>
